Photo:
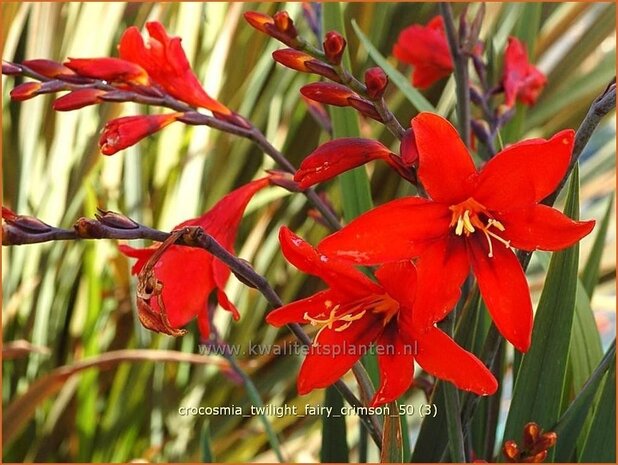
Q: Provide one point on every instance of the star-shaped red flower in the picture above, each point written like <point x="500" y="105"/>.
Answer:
<point x="355" y="312"/>
<point x="474" y="218"/>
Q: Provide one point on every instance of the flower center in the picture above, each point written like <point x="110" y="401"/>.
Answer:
<point x="470" y="216"/>
<point x="341" y="316"/>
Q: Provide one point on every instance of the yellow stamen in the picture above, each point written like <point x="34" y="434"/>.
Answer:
<point x="466" y="221"/>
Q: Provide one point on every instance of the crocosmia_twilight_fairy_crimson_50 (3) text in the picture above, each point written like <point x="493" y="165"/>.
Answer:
<point x="473" y="218"/>
<point x="355" y="312"/>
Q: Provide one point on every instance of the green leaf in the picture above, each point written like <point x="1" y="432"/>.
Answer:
<point x="572" y="421"/>
<point x="453" y="423"/>
<point x="600" y="445"/>
<point x="539" y="388"/>
<point x="432" y="437"/>
<point x="334" y="445"/>
<point x="417" y="99"/>
<point x="392" y="443"/>
<point x="590" y="274"/>
<point x="207" y="455"/>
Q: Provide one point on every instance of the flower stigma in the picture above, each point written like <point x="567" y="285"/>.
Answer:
<point x="466" y="220"/>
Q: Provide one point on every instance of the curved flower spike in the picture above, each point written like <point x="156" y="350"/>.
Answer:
<point x="190" y="275"/>
<point x="356" y="312"/>
<point x="474" y="218"/>
<point x="166" y="63"/>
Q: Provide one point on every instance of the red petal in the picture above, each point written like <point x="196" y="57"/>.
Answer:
<point x="77" y="99"/>
<point x="338" y="275"/>
<point x="223" y="219"/>
<point x="336" y="157"/>
<point x="439" y="355"/>
<point x="444" y="262"/>
<point x="142" y="255"/>
<point x="399" y="281"/>
<point x="445" y="167"/>
<point x="505" y="291"/>
<point x="226" y="304"/>
<point x="313" y="306"/>
<point x="109" y="69"/>
<point x="328" y="92"/>
<point x="525" y="172"/>
<point x="124" y="132"/>
<point x="520" y="80"/>
<point x="426" y="48"/>
<point x="335" y="353"/>
<point x="397" y="230"/>
<point x="396" y="362"/>
<point x="48" y="68"/>
<point x="542" y="227"/>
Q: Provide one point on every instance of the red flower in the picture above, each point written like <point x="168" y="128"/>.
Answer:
<point x="521" y="80"/>
<point x="355" y="312"/>
<point x="425" y="48"/>
<point x="124" y="132"/>
<point x="189" y="275"/>
<point x="166" y="63"/>
<point x="473" y="218"/>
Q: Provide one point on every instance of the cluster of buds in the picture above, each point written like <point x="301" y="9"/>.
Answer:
<point x="535" y="445"/>
<point x="157" y="74"/>
<point x="344" y="90"/>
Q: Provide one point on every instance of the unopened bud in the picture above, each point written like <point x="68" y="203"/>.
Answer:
<point x="28" y="224"/>
<point x="25" y="91"/>
<point x="334" y="46"/>
<point x="117" y="96"/>
<point x="321" y="68"/>
<point x="365" y="107"/>
<point x="284" y="24"/>
<point x="328" y="92"/>
<point x="376" y="81"/>
<point x="115" y="220"/>
<point x="531" y="435"/>
<point x="48" y="68"/>
<point x="511" y="451"/>
<point x="87" y="228"/>
<point x="537" y="458"/>
<point x="408" y="149"/>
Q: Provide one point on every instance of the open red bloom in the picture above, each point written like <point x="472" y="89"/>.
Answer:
<point x="166" y="63"/>
<point x="126" y="131"/>
<point x="521" y="80"/>
<point x="473" y="218"/>
<point x="425" y="48"/>
<point x="355" y="312"/>
<point x="189" y="275"/>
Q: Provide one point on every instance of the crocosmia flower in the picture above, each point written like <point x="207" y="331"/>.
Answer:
<point x="189" y="275"/>
<point x="124" y="132"/>
<point x="521" y="80"/>
<point x="166" y="63"/>
<point x="473" y="218"/>
<point x="355" y="312"/>
<point x="425" y="48"/>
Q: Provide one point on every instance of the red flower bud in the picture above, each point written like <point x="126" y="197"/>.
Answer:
<point x="77" y="99"/>
<point x="293" y="59"/>
<point x="48" y="68"/>
<point x="531" y="435"/>
<point x="321" y="68"/>
<point x="109" y="69"/>
<point x="511" y="451"/>
<point x="284" y="24"/>
<point x="328" y="92"/>
<point x="258" y="20"/>
<point x="408" y="149"/>
<point x="115" y="220"/>
<point x="334" y="46"/>
<point x="365" y="107"/>
<point x="376" y="81"/>
<point x="121" y="133"/>
<point x="8" y="214"/>
<point x="538" y="458"/>
<point x="337" y="156"/>
<point x="25" y="91"/>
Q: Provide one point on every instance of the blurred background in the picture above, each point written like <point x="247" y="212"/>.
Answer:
<point x="64" y="303"/>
